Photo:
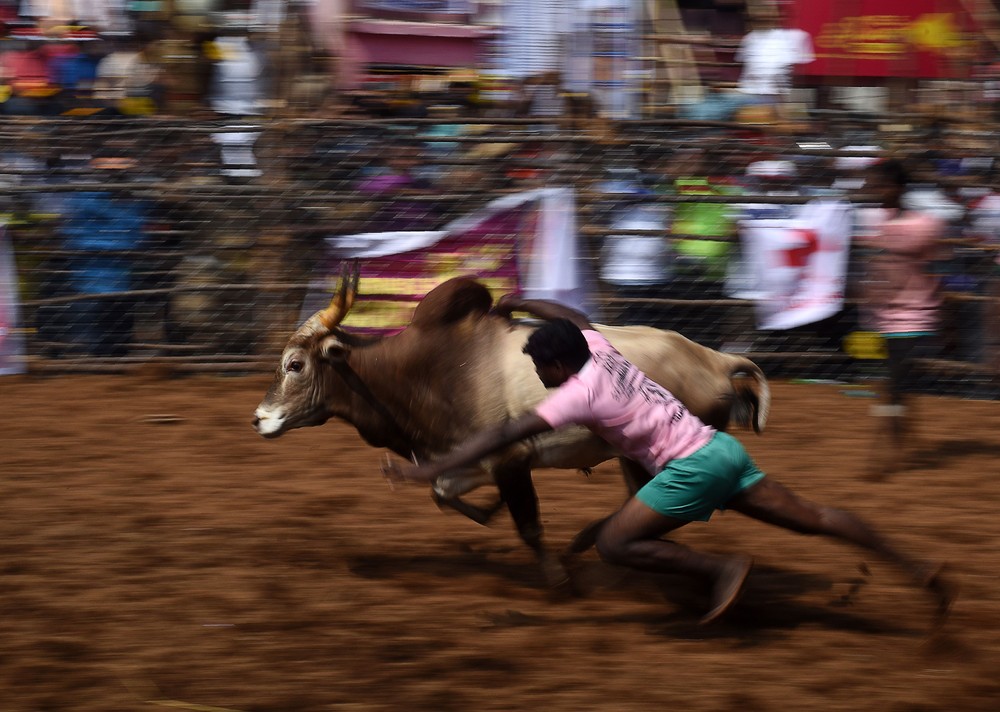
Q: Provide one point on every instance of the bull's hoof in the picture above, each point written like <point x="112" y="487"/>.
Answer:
<point x="480" y="515"/>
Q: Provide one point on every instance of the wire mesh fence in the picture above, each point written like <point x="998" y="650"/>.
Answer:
<point x="195" y="244"/>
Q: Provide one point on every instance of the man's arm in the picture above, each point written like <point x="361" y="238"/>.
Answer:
<point x="915" y="237"/>
<point x="542" y="309"/>
<point x="480" y="445"/>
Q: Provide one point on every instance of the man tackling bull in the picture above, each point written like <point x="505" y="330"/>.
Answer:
<point x="695" y="468"/>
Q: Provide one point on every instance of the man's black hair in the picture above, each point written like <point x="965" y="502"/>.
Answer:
<point x="558" y="341"/>
<point x="894" y="171"/>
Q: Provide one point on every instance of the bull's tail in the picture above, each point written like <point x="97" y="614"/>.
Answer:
<point x="752" y="401"/>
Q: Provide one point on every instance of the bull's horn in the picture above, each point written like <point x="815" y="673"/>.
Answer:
<point x="343" y="300"/>
<point x="325" y="320"/>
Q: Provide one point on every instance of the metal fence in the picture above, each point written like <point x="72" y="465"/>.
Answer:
<point x="192" y="244"/>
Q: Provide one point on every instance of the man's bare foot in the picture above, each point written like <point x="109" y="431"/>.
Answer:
<point x="939" y="585"/>
<point x="727" y="588"/>
<point x="556" y="575"/>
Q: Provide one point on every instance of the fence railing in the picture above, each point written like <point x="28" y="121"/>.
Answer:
<point x="193" y="245"/>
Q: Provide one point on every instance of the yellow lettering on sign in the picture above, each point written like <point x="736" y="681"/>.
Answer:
<point x="380" y="314"/>
<point x="397" y="313"/>
<point x="383" y="286"/>
<point x="883" y="35"/>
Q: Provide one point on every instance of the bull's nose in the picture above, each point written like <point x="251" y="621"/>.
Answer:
<point x="267" y="423"/>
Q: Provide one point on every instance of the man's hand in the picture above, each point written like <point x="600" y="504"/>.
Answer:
<point x="508" y="304"/>
<point x="540" y="309"/>
<point x="394" y="473"/>
<point x="475" y="448"/>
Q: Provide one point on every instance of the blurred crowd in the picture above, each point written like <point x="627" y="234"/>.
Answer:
<point x="662" y="201"/>
<point x="661" y="205"/>
<point x="72" y="70"/>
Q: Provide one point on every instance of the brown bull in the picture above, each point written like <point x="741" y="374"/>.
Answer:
<point x="458" y="368"/>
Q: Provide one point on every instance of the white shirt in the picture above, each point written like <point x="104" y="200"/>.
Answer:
<point x="768" y="57"/>
<point x="638" y="260"/>
<point x="236" y="85"/>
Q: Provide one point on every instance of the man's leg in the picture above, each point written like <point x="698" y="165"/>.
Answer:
<point x="631" y="537"/>
<point x="636" y="478"/>
<point x="894" y="417"/>
<point x="888" y="445"/>
<point x="773" y="503"/>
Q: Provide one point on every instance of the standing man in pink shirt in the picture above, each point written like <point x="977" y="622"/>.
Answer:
<point x="904" y="298"/>
<point x="694" y="469"/>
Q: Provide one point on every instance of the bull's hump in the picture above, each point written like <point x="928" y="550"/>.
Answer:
<point x="451" y="302"/>
<point x="694" y="373"/>
<point x="646" y="346"/>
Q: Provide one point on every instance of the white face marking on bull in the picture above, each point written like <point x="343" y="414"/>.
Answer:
<point x="294" y="398"/>
<point x="268" y="422"/>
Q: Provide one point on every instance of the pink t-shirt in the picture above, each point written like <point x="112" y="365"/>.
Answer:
<point x="904" y="293"/>
<point x="619" y="403"/>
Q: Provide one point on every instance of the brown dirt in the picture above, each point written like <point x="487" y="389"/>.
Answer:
<point x="184" y="563"/>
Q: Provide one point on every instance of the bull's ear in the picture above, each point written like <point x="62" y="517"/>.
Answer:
<point x="333" y="349"/>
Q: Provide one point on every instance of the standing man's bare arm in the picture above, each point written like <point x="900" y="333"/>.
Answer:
<point x="542" y="309"/>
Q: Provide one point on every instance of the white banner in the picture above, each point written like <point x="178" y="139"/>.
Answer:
<point x="795" y="269"/>
<point x="11" y="340"/>
<point x="525" y="241"/>
<point x="548" y="250"/>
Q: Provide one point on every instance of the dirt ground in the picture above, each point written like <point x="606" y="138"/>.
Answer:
<point x="155" y="553"/>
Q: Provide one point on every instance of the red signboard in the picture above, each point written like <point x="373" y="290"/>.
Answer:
<point x="927" y="39"/>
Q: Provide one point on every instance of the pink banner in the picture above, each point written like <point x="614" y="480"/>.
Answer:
<point x="393" y="284"/>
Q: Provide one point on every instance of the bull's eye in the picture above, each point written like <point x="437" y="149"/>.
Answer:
<point x="294" y="366"/>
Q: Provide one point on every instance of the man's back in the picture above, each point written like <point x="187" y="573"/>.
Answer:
<point x="618" y="402"/>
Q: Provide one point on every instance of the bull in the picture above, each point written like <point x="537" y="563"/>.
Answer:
<point x="457" y="368"/>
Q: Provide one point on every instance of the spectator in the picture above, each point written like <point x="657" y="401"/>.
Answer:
<point x="73" y="66"/>
<point x="637" y="265"/>
<point x="236" y="92"/>
<point x="539" y="96"/>
<point x="393" y="188"/>
<point x="399" y="172"/>
<point x="767" y="178"/>
<point x="775" y="178"/>
<point x="770" y="53"/>
<point x="701" y="228"/>
<point x="101" y="229"/>
<point x="203" y="70"/>
<point x="850" y="171"/>
<point x="26" y="74"/>
<point x="129" y="79"/>
<point x="237" y="79"/>
<point x="984" y="228"/>
<point x="700" y="246"/>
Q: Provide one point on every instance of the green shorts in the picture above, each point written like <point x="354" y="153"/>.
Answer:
<point x="693" y="487"/>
